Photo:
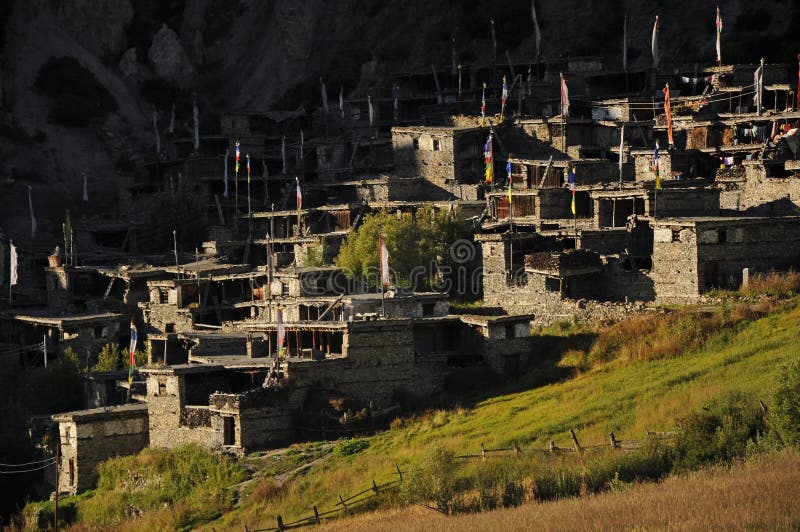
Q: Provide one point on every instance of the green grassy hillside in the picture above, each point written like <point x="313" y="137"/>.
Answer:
<point x="624" y="396"/>
<point x="607" y="389"/>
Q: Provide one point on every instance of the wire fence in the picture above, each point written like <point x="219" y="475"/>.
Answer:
<point x="351" y="503"/>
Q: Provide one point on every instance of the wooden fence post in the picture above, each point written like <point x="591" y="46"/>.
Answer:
<point x="575" y="441"/>
<point x="613" y="440"/>
<point x="517" y="450"/>
<point x="483" y="452"/>
<point x="552" y="446"/>
<point x="764" y="408"/>
<point x="374" y="487"/>
<point x="316" y="514"/>
<point x="344" y="504"/>
<point x="281" y="526"/>
<point x="399" y="473"/>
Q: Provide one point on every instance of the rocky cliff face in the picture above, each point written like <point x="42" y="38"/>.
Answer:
<point x="258" y="54"/>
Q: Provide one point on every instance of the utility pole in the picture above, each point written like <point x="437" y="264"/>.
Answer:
<point x="58" y="469"/>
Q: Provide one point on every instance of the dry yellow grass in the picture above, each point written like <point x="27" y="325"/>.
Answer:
<point x="761" y="494"/>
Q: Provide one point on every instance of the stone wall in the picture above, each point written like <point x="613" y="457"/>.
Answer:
<point x="166" y="394"/>
<point x="675" y="271"/>
<point x="89" y="437"/>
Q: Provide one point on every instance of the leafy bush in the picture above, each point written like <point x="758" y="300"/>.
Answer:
<point x="349" y="447"/>
<point x="77" y="96"/>
<point x="176" y="207"/>
<point x="719" y="433"/>
<point x="58" y="387"/>
<point x="435" y="482"/>
<point x="109" y="359"/>
<point x="785" y="414"/>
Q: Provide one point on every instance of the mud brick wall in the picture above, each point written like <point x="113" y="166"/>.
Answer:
<point x="643" y="162"/>
<point x="782" y="194"/>
<point x="684" y="202"/>
<point x="725" y="249"/>
<point x="90" y="437"/>
<point x="620" y="284"/>
<point x="675" y="273"/>
<point x="159" y="315"/>
<point x="379" y="359"/>
<point x="435" y="165"/>
<point x="165" y="401"/>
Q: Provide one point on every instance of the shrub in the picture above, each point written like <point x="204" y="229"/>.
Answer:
<point x="58" y="387"/>
<point x="109" y="359"/>
<point x="785" y="414"/>
<point x="782" y="285"/>
<point x="349" y="447"/>
<point x="719" y="433"/>
<point x="435" y="482"/>
<point x="176" y="207"/>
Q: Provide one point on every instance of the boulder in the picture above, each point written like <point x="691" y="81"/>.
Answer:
<point x="169" y="59"/>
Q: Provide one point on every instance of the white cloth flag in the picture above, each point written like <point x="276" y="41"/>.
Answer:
<point x="33" y="218"/>
<point x="371" y="110"/>
<point x="341" y="101"/>
<point x="227" y="155"/>
<point x="385" y="281"/>
<point x="14" y="260"/>
<point x="302" y="145"/>
<point x="654" y="44"/>
<point x="155" y="131"/>
<point x="719" y="37"/>
<point x="196" y="118"/>
<point x="324" y="96"/>
<point x="281" y="332"/>
<point x="621" y="145"/>
<point x="758" y="80"/>
<point x="564" y="97"/>
<point x="536" y="32"/>
<point x="85" y="188"/>
<point x="625" y="43"/>
<point x="172" y="120"/>
<point x="283" y="153"/>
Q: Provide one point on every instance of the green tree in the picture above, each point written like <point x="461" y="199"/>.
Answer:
<point x="58" y="387"/>
<point x="109" y="359"/>
<point x="176" y="207"/>
<point x="785" y="415"/>
<point x="436" y="481"/>
<point x="417" y="245"/>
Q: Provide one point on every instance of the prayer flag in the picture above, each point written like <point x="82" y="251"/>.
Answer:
<point x="172" y="120"/>
<point x="621" y="145"/>
<point x="85" y="188"/>
<point x="719" y="37"/>
<point x="341" y="101"/>
<point x="248" y="167"/>
<point x="281" y="332"/>
<point x="384" y="252"/>
<point x="536" y="32"/>
<point x="668" y="112"/>
<point x="196" y="119"/>
<point x="14" y="265"/>
<point x="488" y="159"/>
<point x="155" y="131"/>
<point x="510" y="184"/>
<point x="283" y="153"/>
<point x="483" y="101"/>
<point x="33" y="218"/>
<point x="625" y="42"/>
<point x="132" y="352"/>
<point x="571" y="180"/>
<point x="299" y="196"/>
<point x="237" y="158"/>
<point x="564" y="97"/>
<point x="654" y="44"/>
<point x="494" y="38"/>
<point x="504" y="98"/>
<point x="758" y="80"/>
<point x="324" y="96"/>
<point x="227" y="154"/>
<point x="371" y="110"/>
<point x="655" y="167"/>
<point x="396" y="95"/>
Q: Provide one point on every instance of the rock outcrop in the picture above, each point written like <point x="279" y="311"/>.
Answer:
<point x="169" y="59"/>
